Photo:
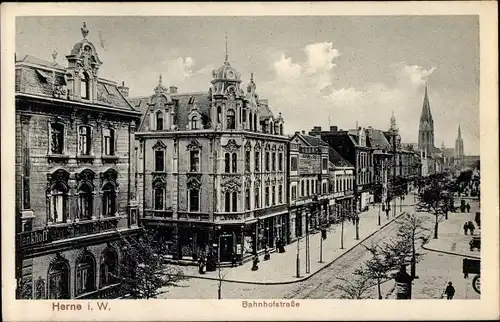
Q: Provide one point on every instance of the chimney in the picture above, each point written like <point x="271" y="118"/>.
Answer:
<point x="124" y="90"/>
<point x="333" y="128"/>
<point x="317" y="129"/>
<point x="173" y="90"/>
<point x="303" y="132"/>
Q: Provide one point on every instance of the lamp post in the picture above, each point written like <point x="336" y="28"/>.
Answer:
<point x="342" y="211"/>
<point x="308" y="259"/>
<point x="379" y="205"/>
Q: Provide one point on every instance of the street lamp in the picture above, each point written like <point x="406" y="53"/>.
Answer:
<point x="379" y="205"/>
<point x="342" y="212"/>
<point x="308" y="255"/>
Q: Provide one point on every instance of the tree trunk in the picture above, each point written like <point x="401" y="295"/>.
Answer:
<point x="413" y="259"/>
<point x="379" y="290"/>
<point x="436" y="228"/>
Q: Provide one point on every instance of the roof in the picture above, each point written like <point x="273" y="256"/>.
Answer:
<point x="377" y="139"/>
<point x="426" y="109"/>
<point x="43" y="82"/>
<point x="337" y="159"/>
<point x="265" y="111"/>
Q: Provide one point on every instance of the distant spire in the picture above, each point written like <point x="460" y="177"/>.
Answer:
<point x="227" y="56"/>
<point x="426" y="108"/>
<point x="459" y="134"/>
<point x="251" y="75"/>
<point x="160" y="80"/>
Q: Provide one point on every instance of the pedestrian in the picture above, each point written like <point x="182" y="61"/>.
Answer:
<point x="468" y="207"/>
<point x="267" y="256"/>
<point x="201" y="265"/>
<point x="477" y="219"/>
<point x="255" y="261"/>
<point x="357" y="220"/>
<point x="471" y="227"/>
<point x="233" y="260"/>
<point x="466" y="227"/>
<point x="449" y="291"/>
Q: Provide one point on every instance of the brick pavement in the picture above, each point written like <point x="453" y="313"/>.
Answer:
<point x="281" y="268"/>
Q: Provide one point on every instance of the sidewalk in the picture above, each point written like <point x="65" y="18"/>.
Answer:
<point x="451" y="237"/>
<point x="281" y="268"/>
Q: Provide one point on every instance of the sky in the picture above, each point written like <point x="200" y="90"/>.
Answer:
<point x="315" y="70"/>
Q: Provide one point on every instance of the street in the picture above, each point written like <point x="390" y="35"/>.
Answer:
<point x="435" y="270"/>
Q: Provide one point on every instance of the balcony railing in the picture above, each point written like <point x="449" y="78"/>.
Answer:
<point x="107" y="292"/>
<point x="64" y="231"/>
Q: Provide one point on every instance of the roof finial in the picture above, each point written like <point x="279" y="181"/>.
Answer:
<point x="251" y="76"/>
<point x="54" y="56"/>
<point x="227" y="56"/>
<point x="160" y="80"/>
<point x="84" y="30"/>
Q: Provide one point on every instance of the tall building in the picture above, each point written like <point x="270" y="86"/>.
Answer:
<point x="213" y="169"/>
<point x="74" y="194"/>
<point x="459" y="145"/>
<point x="426" y="128"/>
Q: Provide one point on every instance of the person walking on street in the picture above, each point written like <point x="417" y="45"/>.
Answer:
<point x="471" y="227"/>
<point x="468" y="207"/>
<point x="466" y="227"/>
<point x="449" y="291"/>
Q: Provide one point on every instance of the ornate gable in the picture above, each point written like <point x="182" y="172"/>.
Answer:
<point x="194" y="145"/>
<point x="231" y="146"/>
<point x="159" y="145"/>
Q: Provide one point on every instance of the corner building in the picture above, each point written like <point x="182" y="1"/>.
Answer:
<point x="74" y="194"/>
<point x="212" y="169"/>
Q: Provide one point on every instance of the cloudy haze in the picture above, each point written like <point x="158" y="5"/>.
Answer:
<point x="315" y="70"/>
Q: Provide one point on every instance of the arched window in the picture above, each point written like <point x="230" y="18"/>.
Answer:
<point x="84" y="86"/>
<point x="85" y="274"/>
<point x="108" y="200"/>
<point x="227" y="202"/>
<point x="58" y="202"/>
<point x="85" y="201"/>
<point x="235" y="201"/>
<point x="234" y="163"/>
<point x="230" y="119"/>
<point x="271" y="128"/>
<point x="58" y="277"/>
<point x="227" y="163"/>
<point x="194" y="123"/>
<point x="159" y="121"/>
<point x="108" y="268"/>
<point x="219" y="114"/>
<point x="250" y="118"/>
<point x="244" y="115"/>
<point x="159" y="197"/>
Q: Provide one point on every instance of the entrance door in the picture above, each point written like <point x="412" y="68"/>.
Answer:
<point x="226" y="247"/>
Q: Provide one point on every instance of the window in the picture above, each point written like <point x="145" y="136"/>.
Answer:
<point x="160" y="160"/>
<point x="247" y="199"/>
<point x="302" y="188"/>
<point x="273" y="194"/>
<point x="280" y="194"/>
<point x="234" y="163"/>
<point x="257" y="161"/>
<point x="257" y="198"/>
<point x="109" y="141"/>
<point x="255" y="122"/>
<point x="324" y="187"/>
<point x="267" y="196"/>
<point x="244" y="115"/>
<point x="85" y="201"/>
<point x="58" y="284"/>
<point x="337" y="185"/>
<point x="219" y="114"/>
<point x="57" y="138"/>
<point x="108" y="200"/>
<point x="85" y="269"/>
<point x="194" y="199"/>
<point x="108" y="268"/>
<point x="325" y="164"/>
<point x="159" y="198"/>
<point x="250" y="118"/>
<point x="159" y="121"/>
<point x="280" y="162"/>
<point x="235" y="201"/>
<point x="230" y="119"/>
<point x="227" y="163"/>
<point x="84" y="86"/>
<point x="274" y="162"/>
<point x="281" y="129"/>
<point x="194" y="160"/>
<point x="308" y="187"/>
<point x="247" y="161"/>
<point x="58" y="197"/>
<point x="293" y="164"/>
<point x="294" y="192"/>
<point x="267" y="161"/>
<point x="227" y="202"/>
<point x="84" y="140"/>
<point x="194" y="123"/>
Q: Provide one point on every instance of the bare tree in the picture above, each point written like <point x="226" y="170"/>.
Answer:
<point x="144" y="274"/>
<point x="377" y="268"/>
<point x="357" y="287"/>
<point x="434" y="199"/>
<point x="220" y="277"/>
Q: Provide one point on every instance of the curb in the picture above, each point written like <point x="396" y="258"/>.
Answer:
<point x="306" y="277"/>
<point x="449" y="253"/>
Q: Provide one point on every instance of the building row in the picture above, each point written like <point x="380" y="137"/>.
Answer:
<point x="210" y="171"/>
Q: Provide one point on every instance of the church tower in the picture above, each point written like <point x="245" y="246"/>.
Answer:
<point x="426" y="127"/>
<point x="459" y="145"/>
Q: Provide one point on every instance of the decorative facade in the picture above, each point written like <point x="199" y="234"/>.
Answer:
<point x="74" y="159"/>
<point x="212" y="170"/>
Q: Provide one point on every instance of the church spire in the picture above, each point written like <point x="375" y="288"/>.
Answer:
<point x="426" y="108"/>
<point x="459" y="134"/>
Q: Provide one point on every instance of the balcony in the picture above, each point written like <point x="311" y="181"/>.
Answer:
<point x="65" y="231"/>
<point x="163" y="214"/>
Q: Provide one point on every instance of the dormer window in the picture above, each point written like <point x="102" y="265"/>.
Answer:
<point x="194" y="123"/>
<point x="159" y="121"/>
<point x="84" y="86"/>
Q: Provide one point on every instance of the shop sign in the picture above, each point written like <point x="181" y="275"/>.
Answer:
<point x="238" y="249"/>
<point x="302" y="202"/>
<point x="33" y="237"/>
